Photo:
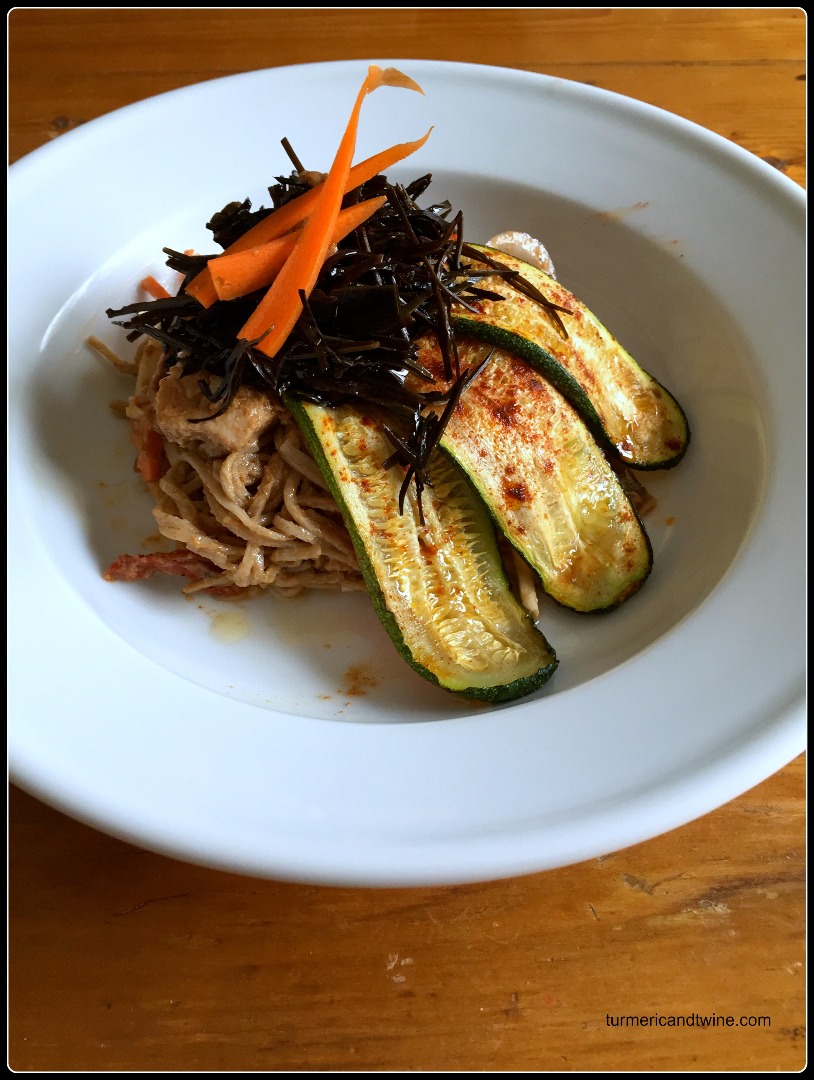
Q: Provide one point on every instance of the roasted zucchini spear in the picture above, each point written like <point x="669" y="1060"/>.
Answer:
<point x="629" y="413"/>
<point x="547" y="484"/>
<point x="438" y="587"/>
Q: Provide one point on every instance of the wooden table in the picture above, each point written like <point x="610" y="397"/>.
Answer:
<point x="122" y="960"/>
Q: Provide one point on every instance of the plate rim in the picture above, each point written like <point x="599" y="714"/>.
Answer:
<point x="787" y="738"/>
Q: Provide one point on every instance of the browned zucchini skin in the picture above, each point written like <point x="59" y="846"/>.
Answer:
<point x="548" y="486"/>
<point x="504" y="687"/>
<point x="559" y="359"/>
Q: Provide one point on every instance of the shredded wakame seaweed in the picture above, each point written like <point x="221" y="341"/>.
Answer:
<point x="392" y="281"/>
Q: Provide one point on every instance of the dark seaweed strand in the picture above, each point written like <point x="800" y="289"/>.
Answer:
<point x="232" y="377"/>
<point x="401" y="202"/>
<point x="295" y="161"/>
<point x="393" y="280"/>
<point x="428" y="428"/>
<point x="517" y="281"/>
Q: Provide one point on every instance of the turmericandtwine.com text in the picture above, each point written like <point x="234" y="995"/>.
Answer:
<point x="688" y="1020"/>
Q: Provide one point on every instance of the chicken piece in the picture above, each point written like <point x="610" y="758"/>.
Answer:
<point x="178" y="401"/>
<point x="525" y="247"/>
<point x="642" y="501"/>
<point x="312" y="178"/>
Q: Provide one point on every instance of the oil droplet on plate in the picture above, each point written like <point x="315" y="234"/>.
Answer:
<point x="229" y="626"/>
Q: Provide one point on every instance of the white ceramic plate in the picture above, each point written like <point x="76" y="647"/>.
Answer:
<point x="242" y="741"/>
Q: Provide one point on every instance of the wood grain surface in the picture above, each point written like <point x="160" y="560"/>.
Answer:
<point x="122" y="960"/>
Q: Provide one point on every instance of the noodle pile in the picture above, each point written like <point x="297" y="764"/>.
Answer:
<point x="261" y="519"/>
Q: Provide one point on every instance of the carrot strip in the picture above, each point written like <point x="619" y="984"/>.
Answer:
<point x="276" y="315"/>
<point x="246" y="271"/>
<point x="150" y="460"/>
<point x="288" y="217"/>
<point x="154" y="288"/>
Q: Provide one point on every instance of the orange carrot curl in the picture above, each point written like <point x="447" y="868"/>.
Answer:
<point x="247" y="271"/>
<point x="292" y="214"/>
<point x="276" y="315"/>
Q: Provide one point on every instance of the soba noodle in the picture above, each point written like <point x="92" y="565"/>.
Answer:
<point x="262" y="518"/>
